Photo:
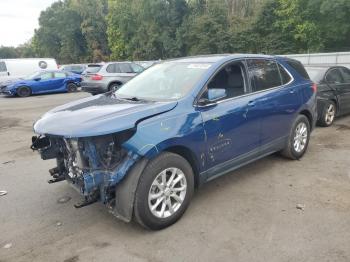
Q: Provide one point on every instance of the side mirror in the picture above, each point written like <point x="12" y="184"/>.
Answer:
<point x="216" y="94"/>
<point x="37" y="79"/>
<point x="213" y="95"/>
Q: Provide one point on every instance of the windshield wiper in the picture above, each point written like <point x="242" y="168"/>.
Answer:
<point x="134" y="98"/>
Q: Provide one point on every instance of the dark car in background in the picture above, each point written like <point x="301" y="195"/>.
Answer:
<point x="110" y="77"/>
<point x="43" y="82"/>
<point x="74" y="68"/>
<point x="142" y="149"/>
<point x="333" y="96"/>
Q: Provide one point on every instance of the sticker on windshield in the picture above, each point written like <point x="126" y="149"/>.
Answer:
<point x="199" y="66"/>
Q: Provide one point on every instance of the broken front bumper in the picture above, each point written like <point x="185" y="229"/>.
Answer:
<point x="93" y="165"/>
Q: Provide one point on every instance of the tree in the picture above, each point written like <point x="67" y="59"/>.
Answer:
<point x="8" y="52"/>
<point x="93" y="27"/>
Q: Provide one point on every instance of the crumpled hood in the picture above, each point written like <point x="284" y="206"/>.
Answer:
<point x="10" y="81"/>
<point x="98" y="115"/>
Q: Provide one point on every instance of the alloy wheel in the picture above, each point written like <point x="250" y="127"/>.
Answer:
<point x="167" y="192"/>
<point x="330" y="114"/>
<point x="300" y="137"/>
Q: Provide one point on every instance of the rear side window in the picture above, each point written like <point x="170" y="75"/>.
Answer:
<point x="297" y="66"/>
<point x="334" y="77"/>
<point x="286" y="78"/>
<point x="3" y="67"/>
<point x="264" y="74"/>
<point x="113" y="68"/>
<point x="125" y="68"/>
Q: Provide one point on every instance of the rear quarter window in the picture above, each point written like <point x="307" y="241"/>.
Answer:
<point x="297" y="66"/>
<point x="286" y="78"/>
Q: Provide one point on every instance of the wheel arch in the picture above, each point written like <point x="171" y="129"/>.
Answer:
<point x="190" y="157"/>
<point x="20" y="86"/>
<point x="309" y="116"/>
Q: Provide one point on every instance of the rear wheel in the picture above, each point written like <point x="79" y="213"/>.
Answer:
<point x="164" y="191"/>
<point x="299" y="138"/>
<point x="71" y="87"/>
<point x="24" y="91"/>
<point x="328" y="114"/>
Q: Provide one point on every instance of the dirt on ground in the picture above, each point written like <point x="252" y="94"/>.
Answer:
<point x="271" y="210"/>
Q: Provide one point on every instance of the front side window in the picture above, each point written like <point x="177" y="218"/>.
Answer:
<point x="264" y="74"/>
<point x="231" y="78"/>
<point x="166" y="81"/>
<point x="60" y="75"/>
<point x="334" y="77"/>
<point x="3" y="67"/>
<point x="46" y="76"/>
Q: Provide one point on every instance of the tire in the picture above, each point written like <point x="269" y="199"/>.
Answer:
<point x="24" y="91"/>
<point x="114" y="87"/>
<point x="299" y="135"/>
<point x="328" y="114"/>
<point x="71" y="88"/>
<point x="170" y="167"/>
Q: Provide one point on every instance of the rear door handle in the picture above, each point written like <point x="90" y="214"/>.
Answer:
<point x="292" y="91"/>
<point x="251" y="103"/>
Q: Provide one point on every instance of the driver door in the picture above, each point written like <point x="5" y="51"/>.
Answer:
<point x="231" y="124"/>
<point x="43" y="84"/>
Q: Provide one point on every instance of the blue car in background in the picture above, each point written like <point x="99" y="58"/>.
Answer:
<point x="142" y="149"/>
<point x="43" y="82"/>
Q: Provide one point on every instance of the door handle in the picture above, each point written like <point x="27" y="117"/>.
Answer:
<point x="251" y="103"/>
<point x="292" y="91"/>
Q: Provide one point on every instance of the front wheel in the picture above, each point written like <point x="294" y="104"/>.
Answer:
<point x="298" y="139"/>
<point x="164" y="191"/>
<point x="24" y="91"/>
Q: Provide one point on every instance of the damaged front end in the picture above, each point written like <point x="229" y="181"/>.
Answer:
<point x="93" y="165"/>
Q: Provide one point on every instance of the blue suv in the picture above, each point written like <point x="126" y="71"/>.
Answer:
<point x="142" y="150"/>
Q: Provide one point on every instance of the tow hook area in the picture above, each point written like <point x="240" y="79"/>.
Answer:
<point x="87" y="201"/>
<point x="56" y="176"/>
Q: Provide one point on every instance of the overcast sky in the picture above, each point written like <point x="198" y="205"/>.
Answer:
<point x="18" y="19"/>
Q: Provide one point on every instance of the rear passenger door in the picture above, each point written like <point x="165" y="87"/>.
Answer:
<point x="58" y="82"/>
<point x="276" y="100"/>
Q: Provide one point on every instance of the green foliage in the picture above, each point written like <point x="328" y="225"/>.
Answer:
<point x="76" y="31"/>
<point x="8" y="52"/>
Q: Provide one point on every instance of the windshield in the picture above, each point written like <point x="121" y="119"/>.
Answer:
<point x="32" y="76"/>
<point x="167" y="81"/>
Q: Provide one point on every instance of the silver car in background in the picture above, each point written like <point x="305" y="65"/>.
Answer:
<point x="109" y="77"/>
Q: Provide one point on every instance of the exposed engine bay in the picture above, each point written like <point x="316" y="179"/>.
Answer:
<point x="93" y="165"/>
